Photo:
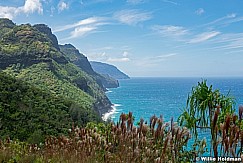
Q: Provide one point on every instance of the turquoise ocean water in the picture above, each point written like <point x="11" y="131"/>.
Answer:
<point x="145" y="97"/>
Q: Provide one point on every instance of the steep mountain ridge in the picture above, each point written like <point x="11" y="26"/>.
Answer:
<point x="26" y="45"/>
<point x="82" y="62"/>
<point x="46" y="30"/>
<point x="108" y="70"/>
<point x="77" y="58"/>
<point x="30" y="55"/>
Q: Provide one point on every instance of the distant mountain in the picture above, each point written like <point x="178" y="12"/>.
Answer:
<point x="108" y="70"/>
<point x="82" y="62"/>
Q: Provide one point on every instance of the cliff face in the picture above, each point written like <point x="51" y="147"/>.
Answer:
<point x="46" y="30"/>
<point x="31" y="54"/>
<point x="24" y="44"/>
<point x="82" y="62"/>
<point x="5" y="26"/>
<point x="77" y="58"/>
<point x="109" y="70"/>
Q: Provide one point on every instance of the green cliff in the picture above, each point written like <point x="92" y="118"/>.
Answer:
<point x="82" y="62"/>
<point x="108" y="70"/>
<point x="41" y="90"/>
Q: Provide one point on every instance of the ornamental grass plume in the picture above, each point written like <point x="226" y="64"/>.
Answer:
<point x="240" y="112"/>
<point x="230" y="136"/>
<point x="158" y="141"/>
<point x="125" y="142"/>
<point x="121" y="142"/>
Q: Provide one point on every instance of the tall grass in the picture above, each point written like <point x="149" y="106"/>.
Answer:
<point x="122" y="142"/>
<point x="154" y="141"/>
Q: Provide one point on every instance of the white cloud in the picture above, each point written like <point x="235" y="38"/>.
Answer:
<point x="29" y="7"/>
<point x="170" y="30"/>
<point x="232" y="15"/>
<point x="229" y="37"/>
<point x="182" y="34"/>
<point x="52" y="10"/>
<point x="132" y="17"/>
<point x="226" y="20"/>
<point x="124" y="59"/>
<point x="62" y="6"/>
<point x="8" y="12"/>
<point x="93" y="2"/>
<point x="222" y="20"/>
<point x="125" y="54"/>
<point x="98" y="1"/>
<point x="135" y="2"/>
<point x="236" y="19"/>
<point x="153" y="61"/>
<point x="160" y="57"/>
<point x="83" y="27"/>
<point x="107" y="54"/>
<point x="200" y="11"/>
<point x="166" y="55"/>
<point x="204" y="37"/>
<point x="103" y="48"/>
<point x="171" y="2"/>
<point x="229" y="42"/>
<point x="88" y="21"/>
<point x="81" y="31"/>
<point x="98" y="56"/>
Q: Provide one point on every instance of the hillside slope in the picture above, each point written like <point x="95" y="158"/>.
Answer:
<point x="30" y="56"/>
<point x="82" y="62"/>
<point x="28" y="112"/>
<point x="108" y="70"/>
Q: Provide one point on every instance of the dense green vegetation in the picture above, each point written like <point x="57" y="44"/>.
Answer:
<point x="41" y="77"/>
<point x="82" y="62"/>
<point x="26" y="45"/>
<point x="28" y="113"/>
<point x="76" y="57"/>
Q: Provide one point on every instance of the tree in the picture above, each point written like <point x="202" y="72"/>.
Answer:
<point x="206" y="109"/>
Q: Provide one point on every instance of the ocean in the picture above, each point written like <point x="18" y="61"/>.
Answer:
<point x="145" y="97"/>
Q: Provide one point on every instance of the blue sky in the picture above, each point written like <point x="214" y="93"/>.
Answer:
<point x="152" y="38"/>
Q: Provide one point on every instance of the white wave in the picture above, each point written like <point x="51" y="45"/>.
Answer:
<point x="109" y="114"/>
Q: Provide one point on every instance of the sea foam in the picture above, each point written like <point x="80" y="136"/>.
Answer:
<point x="109" y="114"/>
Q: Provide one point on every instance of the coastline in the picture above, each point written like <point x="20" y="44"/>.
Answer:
<point x="108" y="114"/>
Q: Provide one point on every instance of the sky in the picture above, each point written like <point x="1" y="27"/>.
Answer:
<point x="145" y="38"/>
